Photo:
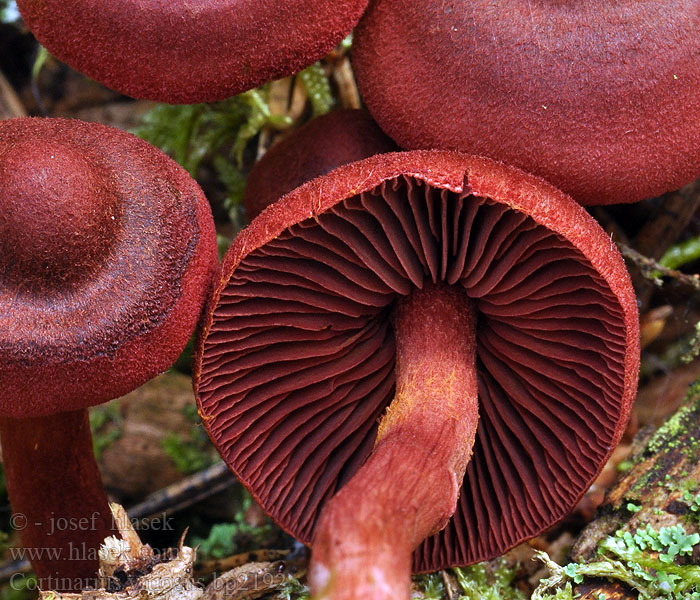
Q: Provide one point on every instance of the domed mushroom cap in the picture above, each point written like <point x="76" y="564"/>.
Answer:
<point x="319" y="146"/>
<point x="600" y="99"/>
<point x="296" y="363"/>
<point x="107" y="251"/>
<point x="182" y="52"/>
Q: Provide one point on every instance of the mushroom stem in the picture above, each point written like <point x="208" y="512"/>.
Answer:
<point x="409" y="486"/>
<point x="59" y="504"/>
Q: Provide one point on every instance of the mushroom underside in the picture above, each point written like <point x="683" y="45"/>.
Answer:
<point x="299" y="362"/>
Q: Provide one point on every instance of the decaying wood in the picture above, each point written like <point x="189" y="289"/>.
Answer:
<point x="220" y="565"/>
<point x="130" y="570"/>
<point x="647" y="266"/>
<point x="249" y="581"/>
<point x="665" y="465"/>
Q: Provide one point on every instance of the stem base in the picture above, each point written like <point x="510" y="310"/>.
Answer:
<point x="58" y="501"/>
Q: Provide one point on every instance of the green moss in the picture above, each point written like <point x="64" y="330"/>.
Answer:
<point x="624" y="465"/>
<point x="192" y="452"/>
<point x="492" y="580"/>
<point x="318" y="89"/>
<point x="646" y="560"/>
<point x="213" y="134"/>
<point x="258" y="116"/>
<point x="430" y="586"/>
<point x="481" y="583"/>
<point x="106" y="425"/>
<point x="668" y="431"/>
<point x="4" y="542"/>
<point x="292" y="589"/>
<point x="227" y="539"/>
<point x="22" y="588"/>
<point x="674" y="434"/>
<point x="192" y="132"/>
<point x="680" y="254"/>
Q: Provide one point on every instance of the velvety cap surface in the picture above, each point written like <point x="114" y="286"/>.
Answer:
<point x="296" y="363"/>
<point x="107" y="252"/>
<point x="319" y="146"/>
<point x="602" y="99"/>
<point x="184" y="52"/>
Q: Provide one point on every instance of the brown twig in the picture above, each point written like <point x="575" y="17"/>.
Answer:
<point x="672" y="216"/>
<point x="220" y="565"/>
<point x="651" y="269"/>
<point x="347" y="87"/>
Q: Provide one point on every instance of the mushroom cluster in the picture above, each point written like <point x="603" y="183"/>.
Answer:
<point x="412" y="360"/>
<point x="481" y="316"/>
<point x="107" y="252"/>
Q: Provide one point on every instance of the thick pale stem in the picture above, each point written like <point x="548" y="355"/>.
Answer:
<point x="58" y="501"/>
<point x="409" y="486"/>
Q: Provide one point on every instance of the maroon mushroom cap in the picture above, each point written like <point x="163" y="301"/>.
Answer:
<point x="602" y="99"/>
<point x="296" y="363"/>
<point x="183" y="52"/>
<point x="107" y="248"/>
<point x="319" y="146"/>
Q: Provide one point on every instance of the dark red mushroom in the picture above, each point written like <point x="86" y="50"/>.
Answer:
<point x="319" y="146"/>
<point x="182" y="52"/>
<point x="107" y="252"/>
<point x="405" y="285"/>
<point x="602" y="99"/>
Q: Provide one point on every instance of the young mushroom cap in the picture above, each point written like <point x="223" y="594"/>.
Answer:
<point x="319" y="146"/>
<point x="600" y="99"/>
<point x="181" y="52"/>
<point x="107" y="253"/>
<point x="337" y="281"/>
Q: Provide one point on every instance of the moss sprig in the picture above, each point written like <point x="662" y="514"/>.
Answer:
<point x="645" y="560"/>
<point x="318" y="89"/>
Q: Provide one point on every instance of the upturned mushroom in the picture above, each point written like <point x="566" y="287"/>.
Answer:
<point x="107" y="253"/>
<point x="482" y="316"/>
<point x="319" y="146"/>
<point x="602" y="99"/>
<point x="183" y="52"/>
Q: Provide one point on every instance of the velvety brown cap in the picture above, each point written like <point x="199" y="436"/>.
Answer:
<point x="184" y="52"/>
<point x="107" y="252"/>
<point x="296" y="362"/>
<point x="602" y="99"/>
